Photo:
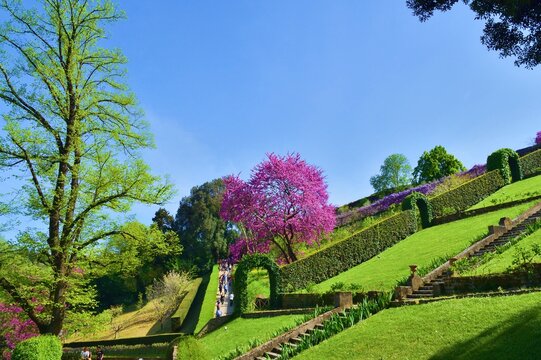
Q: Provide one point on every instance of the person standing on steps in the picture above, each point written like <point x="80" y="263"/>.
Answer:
<point x="99" y="354"/>
<point x="85" y="354"/>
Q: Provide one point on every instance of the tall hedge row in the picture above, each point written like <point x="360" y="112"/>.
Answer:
<point x="44" y="347"/>
<point x="348" y="253"/>
<point x="184" y="307"/>
<point x="531" y="163"/>
<point x="467" y="194"/>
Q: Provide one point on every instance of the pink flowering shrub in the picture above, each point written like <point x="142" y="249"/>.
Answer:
<point x="283" y="203"/>
<point x="14" y="328"/>
<point x="538" y="138"/>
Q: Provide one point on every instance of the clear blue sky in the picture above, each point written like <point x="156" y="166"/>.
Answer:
<point x="344" y="83"/>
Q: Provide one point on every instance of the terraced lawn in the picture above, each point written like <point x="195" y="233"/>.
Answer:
<point x="240" y="332"/>
<point x="384" y="270"/>
<point x="501" y="262"/>
<point x="207" y="309"/>
<point x="516" y="191"/>
<point x="507" y="327"/>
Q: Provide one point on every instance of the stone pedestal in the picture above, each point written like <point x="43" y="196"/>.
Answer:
<point x="343" y="300"/>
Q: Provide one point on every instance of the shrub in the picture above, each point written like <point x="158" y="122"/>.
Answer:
<point x="419" y="202"/>
<point x="466" y="195"/>
<point x="505" y="160"/>
<point x="248" y="263"/>
<point x="178" y="317"/>
<point x="530" y="163"/>
<point x="348" y="253"/>
<point x="45" y="347"/>
<point x="190" y="348"/>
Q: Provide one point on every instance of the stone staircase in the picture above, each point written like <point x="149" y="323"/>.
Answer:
<point x="510" y="235"/>
<point x="293" y="342"/>
<point x="273" y="348"/>
<point x="433" y="283"/>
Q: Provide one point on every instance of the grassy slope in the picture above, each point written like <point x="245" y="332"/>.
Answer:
<point x="383" y="271"/>
<point x="207" y="309"/>
<point x="478" y="328"/>
<point x="515" y="191"/>
<point x="241" y="331"/>
<point x="500" y="262"/>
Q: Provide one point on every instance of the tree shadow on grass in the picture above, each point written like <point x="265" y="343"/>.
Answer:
<point x="518" y="337"/>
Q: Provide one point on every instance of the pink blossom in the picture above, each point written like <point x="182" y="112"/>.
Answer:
<point x="284" y="202"/>
<point x="14" y="328"/>
<point x="538" y="138"/>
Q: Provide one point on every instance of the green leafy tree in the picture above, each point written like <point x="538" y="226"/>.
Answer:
<point x="512" y="27"/>
<point x="203" y="234"/>
<point x="164" y="220"/>
<point x="73" y="136"/>
<point x="435" y="164"/>
<point x="395" y="172"/>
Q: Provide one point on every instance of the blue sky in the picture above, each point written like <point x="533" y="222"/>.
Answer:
<point x="344" y="83"/>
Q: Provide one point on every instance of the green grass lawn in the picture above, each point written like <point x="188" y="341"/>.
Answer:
<point x="516" y="191"/>
<point x="384" y="270"/>
<point x="207" y="309"/>
<point x="240" y="332"/>
<point x="501" y="262"/>
<point x="257" y="284"/>
<point x="478" y="328"/>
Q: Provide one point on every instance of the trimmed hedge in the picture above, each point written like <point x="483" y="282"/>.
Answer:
<point x="419" y="202"/>
<point x="530" y="163"/>
<point x="246" y="264"/>
<point x="348" y="253"/>
<point x="142" y="340"/>
<point x="467" y="194"/>
<point x="178" y="317"/>
<point x="505" y="160"/>
<point x="44" y="347"/>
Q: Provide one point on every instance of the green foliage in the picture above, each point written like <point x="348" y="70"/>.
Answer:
<point x="530" y="164"/>
<point x="420" y="205"/>
<point x="467" y="194"/>
<point x="348" y="253"/>
<point x="186" y="303"/>
<point x="203" y="234"/>
<point x="155" y="350"/>
<point x="507" y="161"/>
<point x="45" y="347"/>
<point x="244" y="267"/>
<point x="436" y="164"/>
<point x="190" y="348"/>
<point x="395" y="172"/>
<point x="72" y="139"/>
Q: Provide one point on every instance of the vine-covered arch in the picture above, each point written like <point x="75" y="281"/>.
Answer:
<point x="418" y="201"/>
<point x="507" y="161"/>
<point x="247" y="263"/>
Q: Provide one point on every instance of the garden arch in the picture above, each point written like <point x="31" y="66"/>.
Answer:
<point x="507" y="161"/>
<point x="247" y="263"/>
<point x="417" y="201"/>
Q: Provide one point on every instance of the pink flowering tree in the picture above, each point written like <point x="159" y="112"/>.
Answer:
<point x="14" y="328"/>
<point x="283" y="203"/>
<point x="538" y="138"/>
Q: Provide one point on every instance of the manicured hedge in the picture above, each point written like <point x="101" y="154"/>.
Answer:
<point x="466" y="195"/>
<point x="505" y="160"/>
<point x="178" y="317"/>
<point x="531" y="163"/>
<point x="348" y="253"/>
<point x="247" y="263"/>
<point x="412" y="202"/>
<point x="45" y="347"/>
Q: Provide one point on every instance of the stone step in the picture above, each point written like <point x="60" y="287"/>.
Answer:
<point x="295" y="340"/>
<point x="418" y="296"/>
<point x="426" y="287"/>
<point x="319" y="326"/>
<point x="272" y="355"/>
<point x="291" y="345"/>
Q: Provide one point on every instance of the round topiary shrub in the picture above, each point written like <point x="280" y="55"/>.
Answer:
<point x="418" y="201"/>
<point x="507" y="161"/>
<point x="44" y="347"/>
<point x="246" y="265"/>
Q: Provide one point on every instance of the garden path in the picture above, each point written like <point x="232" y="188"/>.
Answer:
<point x="227" y="307"/>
